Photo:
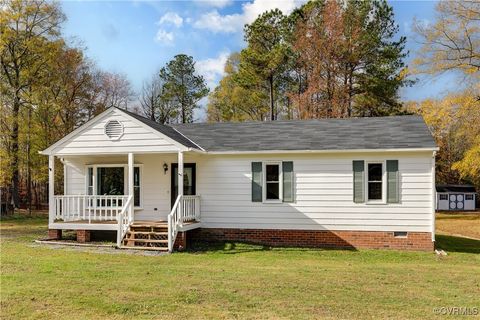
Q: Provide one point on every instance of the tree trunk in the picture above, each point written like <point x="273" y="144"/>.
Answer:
<point x="14" y="137"/>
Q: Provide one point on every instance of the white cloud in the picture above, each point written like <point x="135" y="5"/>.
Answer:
<point x="230" y="23"/>
<point x="212" y="69"/>
<point x="164" y="37"/>
<point x="215" y="3"/>
<point x="215" y="22"/>
<point x="171" y="18"/>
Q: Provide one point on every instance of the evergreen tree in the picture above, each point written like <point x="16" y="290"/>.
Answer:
<point x="182" y="87"/>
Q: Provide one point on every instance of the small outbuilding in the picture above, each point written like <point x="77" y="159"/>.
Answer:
<point x="455" y="197"/>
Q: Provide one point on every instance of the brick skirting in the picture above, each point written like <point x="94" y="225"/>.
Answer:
<point x="420" y="241"/>
<point x="54" y="234"/>
<point x="83" y="236"/>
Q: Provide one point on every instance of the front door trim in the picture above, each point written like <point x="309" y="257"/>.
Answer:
<point x="173" y="190"/>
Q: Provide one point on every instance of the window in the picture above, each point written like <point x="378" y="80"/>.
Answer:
<point x="469" y="197"/>
<point x="375" y="182"/>
<point x="112" y="180"/>
<point x="90" y="181"/>
<point x="444" y="197"/>
<point x="272" y="181"/>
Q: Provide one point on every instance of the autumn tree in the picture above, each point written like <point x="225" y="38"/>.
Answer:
<point x="451" y="44"/>
<point x="155" y="105"/>
<point x="30" y="33"/>
<point x="452" y="41"/>
<point x="350" y="60"/>
<point x="182" y="87"/>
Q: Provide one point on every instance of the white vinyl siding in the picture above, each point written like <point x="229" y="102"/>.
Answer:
<point x="135" y="138"/>
<point x="323" y="194"/>
<point x="323" y="185"/>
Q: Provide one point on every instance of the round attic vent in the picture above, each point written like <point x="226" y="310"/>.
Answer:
<point x="114" y="129"/>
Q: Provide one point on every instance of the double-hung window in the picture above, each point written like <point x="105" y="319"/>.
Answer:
<point x="375" y="182"/>
<point x="273" y="181"/>
<point x="273" y="187"/>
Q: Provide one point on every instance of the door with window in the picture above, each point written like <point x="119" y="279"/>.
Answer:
<point x="188" y="181"/>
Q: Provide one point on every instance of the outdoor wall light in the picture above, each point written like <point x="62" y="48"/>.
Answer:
<point x="165" y="168"/>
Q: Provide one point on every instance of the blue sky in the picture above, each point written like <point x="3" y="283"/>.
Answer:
<point x="138" y="37"/>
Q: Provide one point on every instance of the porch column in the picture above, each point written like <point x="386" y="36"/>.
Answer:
<point x="180" y="173"/>
<point x="51" y="188"/>
<point x="180" y="183"/>
<point x="130" y="183"/>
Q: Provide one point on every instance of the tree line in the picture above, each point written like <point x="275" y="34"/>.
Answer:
<point x="327" y="59"/>
<point x="48" y="88"/>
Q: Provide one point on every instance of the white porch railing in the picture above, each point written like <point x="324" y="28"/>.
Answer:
<point x="88" y="207"/>
<point x="185" y="209"/>
<point x="125" y="219"/>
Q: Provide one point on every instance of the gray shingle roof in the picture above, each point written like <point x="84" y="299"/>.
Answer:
<point x="164" y="129"/>
<point x="395" y="132"/>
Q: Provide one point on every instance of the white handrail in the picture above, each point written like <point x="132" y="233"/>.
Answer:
<point x="87" y="207"/>
<point x="173" y="219"/>
<point x="185" y="209"/>
<point x="124" y="220"/>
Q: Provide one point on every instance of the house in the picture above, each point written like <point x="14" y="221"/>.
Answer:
<point x="455" y="197"/>
<point x="348" y="183"/>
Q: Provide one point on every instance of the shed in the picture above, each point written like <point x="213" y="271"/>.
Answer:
<point x="454" y="197"/>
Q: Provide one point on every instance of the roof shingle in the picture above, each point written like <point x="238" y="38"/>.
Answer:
<point x="394" y="132"/>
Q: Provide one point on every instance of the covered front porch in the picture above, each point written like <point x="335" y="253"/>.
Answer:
<point x="113" y="192"/>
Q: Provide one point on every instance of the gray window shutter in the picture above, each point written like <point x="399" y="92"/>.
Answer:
<point x="392" y="182"/>
<point x="257" y="178"/>
<point x="287" y="171"/>
<point x="358" y="181"/>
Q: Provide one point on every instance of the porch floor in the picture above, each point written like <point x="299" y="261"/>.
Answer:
<point x="112" y="224"/>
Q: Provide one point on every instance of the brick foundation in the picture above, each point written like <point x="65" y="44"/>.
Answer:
<point x="181" y="241"/>
<point x="419" y="241"/>
<point x="55" y="234"/>
<point x="83" y="236"/>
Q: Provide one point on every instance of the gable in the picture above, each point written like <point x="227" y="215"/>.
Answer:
<point x="129" y="135"/>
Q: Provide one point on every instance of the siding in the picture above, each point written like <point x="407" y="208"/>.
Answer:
<point x="323" y="191"/>
<point x="155" y="184"/>
<point x="136" y="138"/>
<point x="323" y="194"/>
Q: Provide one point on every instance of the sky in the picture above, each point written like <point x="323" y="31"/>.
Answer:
<point x="137" y="38"/>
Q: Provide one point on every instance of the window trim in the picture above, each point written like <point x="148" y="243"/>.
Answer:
<point x="280" y="181"/>
<point x="383" y="200"/>
<point x="125" y="178"/>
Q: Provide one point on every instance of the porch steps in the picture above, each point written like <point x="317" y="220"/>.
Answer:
<point x="146" y="235"/>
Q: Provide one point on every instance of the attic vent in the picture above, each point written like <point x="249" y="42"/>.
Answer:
<point x="114" y="129"/>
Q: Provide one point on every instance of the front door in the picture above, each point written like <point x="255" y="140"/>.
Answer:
<point x="188" y="181"/>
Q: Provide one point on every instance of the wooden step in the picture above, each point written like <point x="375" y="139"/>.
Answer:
<point x="149" y="225"/>
<point x="146" y="248"/>
<point x="151" y="233"/>
<point x="147" y="240"/>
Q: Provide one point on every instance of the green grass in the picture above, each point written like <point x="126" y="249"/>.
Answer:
<point x="229" y="280"/>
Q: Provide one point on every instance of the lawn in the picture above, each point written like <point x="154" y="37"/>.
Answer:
<point x="231" y="280"/>
<point x="466" y="224"/>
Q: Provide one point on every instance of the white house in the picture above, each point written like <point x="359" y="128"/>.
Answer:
<point x="351" y="183"/>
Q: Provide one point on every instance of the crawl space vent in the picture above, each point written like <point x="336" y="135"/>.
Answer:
<point x="114" y="129"/>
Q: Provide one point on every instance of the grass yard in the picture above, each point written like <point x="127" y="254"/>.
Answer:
<point x="234" y="281"/>
<point x="465" y="224"/>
